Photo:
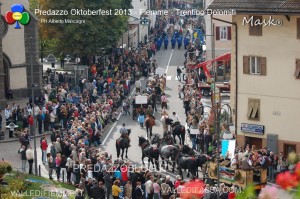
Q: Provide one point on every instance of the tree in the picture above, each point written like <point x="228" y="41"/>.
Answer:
<point x="87" y="38"/>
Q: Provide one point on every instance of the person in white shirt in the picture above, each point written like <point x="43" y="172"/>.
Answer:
<point x="138" y="86"/>
<point x="52" y="119"/>
<point x="36" y="110"/>
<point x="235" y="162"/>
<point x="175" y="116"/>
<point x="28" y="109"/>
<point x="14" y="106"/>
<point x="164" y="100"/>
<point x="7" y="113"/>
<point x="30" y="158"/>
<point x="54" y="108"/>
<point x="149" y="187"/>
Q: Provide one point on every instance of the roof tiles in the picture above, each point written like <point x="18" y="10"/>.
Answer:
<point x="258" y="6"/>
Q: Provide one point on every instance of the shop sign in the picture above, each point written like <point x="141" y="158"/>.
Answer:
<point x="253" y="128"/>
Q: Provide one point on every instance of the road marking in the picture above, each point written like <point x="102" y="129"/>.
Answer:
<point x="114" y="125"/>
<point x="169" y="61"/>
<point x="169" y="77"/>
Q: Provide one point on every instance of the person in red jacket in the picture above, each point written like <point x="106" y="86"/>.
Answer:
<point x="44" y="146"/>
<point x="177" y="181"/>
<point x="30" y="121"/>
<point x="231" y="194"/>
<point x="124" y="174"/>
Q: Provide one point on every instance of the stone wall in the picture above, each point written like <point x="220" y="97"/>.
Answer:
<point x="2" y="77"/>
<point x="31" y="52"/>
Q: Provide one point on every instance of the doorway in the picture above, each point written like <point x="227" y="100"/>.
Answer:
<point x="254" y="141"/>
<point x="288" y="148"/>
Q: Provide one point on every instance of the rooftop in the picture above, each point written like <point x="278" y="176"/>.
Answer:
<point x="285" y="7"/>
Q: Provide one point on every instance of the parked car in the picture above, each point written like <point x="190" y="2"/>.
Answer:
<point x="69" y="58"/>
<point x="51" y="58"/>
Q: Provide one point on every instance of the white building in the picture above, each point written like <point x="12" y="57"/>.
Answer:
<point x="265" y="72"/>
<point x="222" y="40"/>
<point x="136" y="32"/>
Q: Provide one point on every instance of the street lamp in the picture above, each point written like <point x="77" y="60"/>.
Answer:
<point x="217" y="112"/>
<point x="32" y="99"/>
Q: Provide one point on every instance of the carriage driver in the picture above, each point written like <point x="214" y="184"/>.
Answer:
<point x="124" y="133"/>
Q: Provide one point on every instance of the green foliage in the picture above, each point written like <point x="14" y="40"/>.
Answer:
<point x="224" y="116"/>
<point x="18" y="186"/>
<point x="10" y="195"/>
<point x="87" y="38"/>
<point x="212" y="129"/>
<point x="248" y="193"/>
<point x="33" y="4"/>
<point x="297" y="193"/>
<point x="5" y="167"/>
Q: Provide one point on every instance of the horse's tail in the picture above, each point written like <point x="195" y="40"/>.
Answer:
<point x="182" y="133"/>
<point x="118" y="148"/>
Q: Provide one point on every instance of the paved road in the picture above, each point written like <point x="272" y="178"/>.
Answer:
<point x="168" y="59"/>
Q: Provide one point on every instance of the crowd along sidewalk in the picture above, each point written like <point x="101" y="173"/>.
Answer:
<point x="21" y="102"/>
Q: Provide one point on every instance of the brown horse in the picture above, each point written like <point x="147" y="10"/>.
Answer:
<point x="149" y="123"/>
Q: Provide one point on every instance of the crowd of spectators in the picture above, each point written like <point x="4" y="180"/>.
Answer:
<point x="76" y="120"/>
<point x="76" y="117"/>
<point x="202" y="134"/>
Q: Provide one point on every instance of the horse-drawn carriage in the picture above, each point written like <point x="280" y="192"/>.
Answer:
<point x="239" y="177"/>
<point x="140" y="104"/>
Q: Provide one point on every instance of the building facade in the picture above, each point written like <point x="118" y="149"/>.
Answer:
<point x="136" y="31"/>
<point x="17" y="48"/>
<point x="218" y="41"/>
<point x="265" y="73"/>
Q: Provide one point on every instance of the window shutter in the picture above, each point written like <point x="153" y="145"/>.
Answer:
<point x="229" y="33"/>
<point x="298" y="28"/>
<point x="297" y="72"/>
<point x="217" y="33"/>
<point x="255" y="30"/>
<point x="258" y="28"/>
<point x="246" y="64"/>
<point x="255" y="109"/>
<point x="250" y="107"/>
<point x="263" y="66"/>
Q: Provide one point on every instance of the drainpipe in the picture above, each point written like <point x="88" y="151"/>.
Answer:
<point x="236" y="68"/>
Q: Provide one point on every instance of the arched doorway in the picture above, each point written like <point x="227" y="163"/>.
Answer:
<point x="6" y="67"/>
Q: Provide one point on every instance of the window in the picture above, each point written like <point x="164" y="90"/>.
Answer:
<point x="253" y="109"/>
<point x="254" y="65"/>
<point x="223" y="33"/>
<point x="255" y="30"/>
<point x="298" y="28"/>
<point x="288" y="148"/>
<point x="297" y="72"/>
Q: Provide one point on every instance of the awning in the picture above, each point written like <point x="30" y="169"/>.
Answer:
<point x="208" y="63"/>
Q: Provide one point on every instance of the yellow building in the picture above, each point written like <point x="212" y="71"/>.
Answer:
<point x="265" y="72"/>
